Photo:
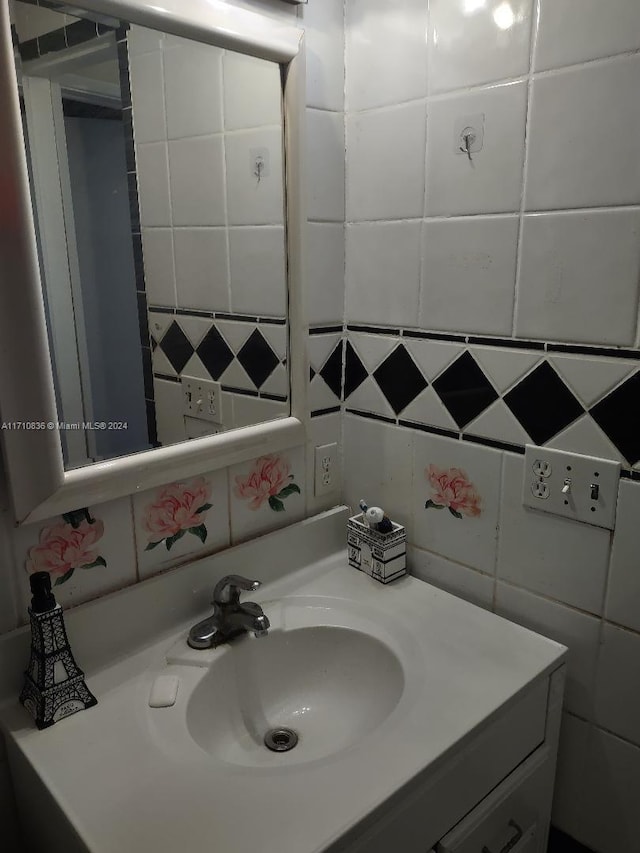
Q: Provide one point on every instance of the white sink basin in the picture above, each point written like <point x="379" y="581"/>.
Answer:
<point x="331" y="685"/>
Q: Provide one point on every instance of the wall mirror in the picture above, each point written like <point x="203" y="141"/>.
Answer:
<point x="151" y="246"/>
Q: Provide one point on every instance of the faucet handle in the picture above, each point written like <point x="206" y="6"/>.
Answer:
<point x="228" y="588"/>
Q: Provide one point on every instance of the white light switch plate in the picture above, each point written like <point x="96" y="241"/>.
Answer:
<point x="571" y="485"/>
<point x="202" y="399"/>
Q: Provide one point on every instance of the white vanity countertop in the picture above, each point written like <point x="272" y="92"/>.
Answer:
<point x="123" y="791"/>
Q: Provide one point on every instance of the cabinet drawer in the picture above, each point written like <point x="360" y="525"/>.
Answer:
<point x="511" y="819"/>
<point x="419" y="815"/>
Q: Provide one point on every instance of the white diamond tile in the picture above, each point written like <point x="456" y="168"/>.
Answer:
<point x="161" y="363"/>
<point x="504" y="367"/>
<point x="320" y="395"/>
<point x="277" y="382"/>
<point x="427" y="408"/>
<point x="585" y="436"/>
<point x="194" y="367"/>
<point x="236" y="376"/>
<point x="432" y="357"/>
<point x="159" y="323"/>
<point x="372" y="349"/>
<point x="276" y="337"/>
<point x="320" y="348"/>
<point x="369" y="398"/>
<point x="235" y="334"/>
<point x="498" y="422"/>
<point x="591" y="378"/>
<point x="195" y="328"/>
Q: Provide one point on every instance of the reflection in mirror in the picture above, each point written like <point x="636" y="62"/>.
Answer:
<point x="156" y="173"/>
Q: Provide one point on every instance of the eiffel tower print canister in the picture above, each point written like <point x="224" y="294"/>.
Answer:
<point x="54" y="685"/>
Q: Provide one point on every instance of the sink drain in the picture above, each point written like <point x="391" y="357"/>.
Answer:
<point x="280" y="740"/>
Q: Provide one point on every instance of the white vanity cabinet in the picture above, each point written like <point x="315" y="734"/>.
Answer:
<point x="494" y="796"/>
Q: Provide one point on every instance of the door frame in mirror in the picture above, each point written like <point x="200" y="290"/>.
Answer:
<point x="40" y="486"/>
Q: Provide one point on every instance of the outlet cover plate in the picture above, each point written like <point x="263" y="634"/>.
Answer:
<point x="546" y="473"/>
<point x="202" y="399"/>
<point x="326" y="471"/>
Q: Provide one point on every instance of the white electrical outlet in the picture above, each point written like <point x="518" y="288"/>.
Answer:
<point x="583" y="488"/>
<point x="326" y="471"/>
<point x="202" y="399"/>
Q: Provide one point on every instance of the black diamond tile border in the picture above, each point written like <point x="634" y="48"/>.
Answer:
<point x="543" y="404"/>
<point x="464" y="389"/>
<point x="331" y="370"/>
<point x="354" y="370"/>
<point x="176" y="346"/>
<point x="618" y="415"/>
<point x="214" y="353"/>
<point x="257" y="358"/>
<point x="399" y="379"/>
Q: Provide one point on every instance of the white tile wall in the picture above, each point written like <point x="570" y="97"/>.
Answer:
<point x="476" y="41"/>
<point x="378" y="467"/>
<point x="324" y="35"/>
<point x="565" y="259"/>
<point x="492" y="181"/>
<point x="468" y="268"/>
<point x="473" y="586"/>
<point x="153" y="184"/>
<point x="623" y="600"/>
<point x="147" y="98"/>
<point x="160" y="280"/>
<point x="618" y="690"/>
<point x="196" y="167"/>
<point x="201" y="268"/>
<point x="197" y="71"/>
<point x="399" y="72"/>
<point x="608" y="819"/>
<point x="572" y="31"/>
<point x="258" y="276"/>
<point x="325" y="272"/>
<point x="558" y="558"/>
<point x="252" y="92"/>
<point x="249" y="201"/>
<point x="325" y="166"/>
<point x="385" y="163"/>
<point x="575" y="131"/>
<point x="382" y="272"/>
<point x="578" y="631"/>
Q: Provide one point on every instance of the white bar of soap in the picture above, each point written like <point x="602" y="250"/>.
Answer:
<point x="164" y="691"/>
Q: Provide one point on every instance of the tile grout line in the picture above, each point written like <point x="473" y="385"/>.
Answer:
<point x="535" y="22"/>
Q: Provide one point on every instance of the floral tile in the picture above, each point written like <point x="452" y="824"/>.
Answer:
<point x="267" y="493"/>
<point x="88" y="553"/>
<point x="456" y="488"/>
<point x="182" y="520"/>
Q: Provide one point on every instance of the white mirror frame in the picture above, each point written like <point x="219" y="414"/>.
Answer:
<point x="39" y="484"/>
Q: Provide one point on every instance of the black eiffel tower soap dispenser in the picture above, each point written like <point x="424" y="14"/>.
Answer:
<point x="54" y="686"/>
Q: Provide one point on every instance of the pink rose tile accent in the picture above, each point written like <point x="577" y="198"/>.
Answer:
<point x="88" y="553"/>
<point x="181" y="521"/>
<point x="451" y="488"/>
<point x="267" y="493"/>
<point x="268" y="480"/>
<point x="177" y="509"/>
<point x="465" y="480"/>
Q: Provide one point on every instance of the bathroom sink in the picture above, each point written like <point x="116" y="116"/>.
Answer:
<point x="330" y="686"/>
<point x="402" y="696"/>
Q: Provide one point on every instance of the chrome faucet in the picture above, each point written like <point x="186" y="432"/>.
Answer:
<point x="229" y="618"/>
